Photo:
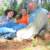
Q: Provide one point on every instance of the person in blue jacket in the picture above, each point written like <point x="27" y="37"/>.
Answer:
<point x="8" y="27"/>
<point x="38" y="16"/>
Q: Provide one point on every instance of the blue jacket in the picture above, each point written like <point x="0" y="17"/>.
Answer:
<point x="9" y="28"/>
<point x="34" y="14"/>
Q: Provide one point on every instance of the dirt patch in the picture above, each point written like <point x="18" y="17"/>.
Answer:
<point x="12" y="45"/>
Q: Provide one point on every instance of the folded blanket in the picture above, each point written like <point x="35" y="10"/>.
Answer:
<point x="7" y="32"/>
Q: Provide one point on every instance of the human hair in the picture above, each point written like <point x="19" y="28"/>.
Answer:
<point x="37" y="36"/>
<point x="9" y="10"/>
<point x="19" y="16"/>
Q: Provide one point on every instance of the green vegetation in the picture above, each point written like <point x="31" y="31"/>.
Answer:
<point x="4" y="6"/>
<point x="46" y="6"/>
<point x="27" y="48"/>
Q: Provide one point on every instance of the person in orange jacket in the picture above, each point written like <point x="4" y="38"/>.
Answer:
<point x="23" y="17"/>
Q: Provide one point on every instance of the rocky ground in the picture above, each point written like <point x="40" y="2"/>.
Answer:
<point x="23" y="45"/>
<point x="15" y="45"/>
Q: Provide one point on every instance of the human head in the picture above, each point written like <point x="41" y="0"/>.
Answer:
<point x="47" y="35"/>
<point x="10" y="13"/>
<point x="23" y="11"/>
<point x="49" y="15"/>
<point x="32" y="5"/>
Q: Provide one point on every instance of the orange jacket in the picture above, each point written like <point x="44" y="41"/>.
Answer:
<point x="24" y="20"/>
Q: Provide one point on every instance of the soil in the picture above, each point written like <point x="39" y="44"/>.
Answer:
<point x="12" y="45"/>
